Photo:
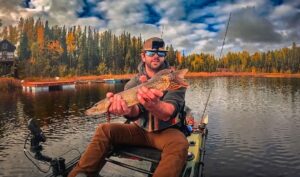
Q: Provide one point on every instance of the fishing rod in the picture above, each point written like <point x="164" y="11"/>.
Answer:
<point x="162" y="31"/>
<point x="225" y="36"/>
<point x="206" y="102"/>
<point x="227" y="26"/>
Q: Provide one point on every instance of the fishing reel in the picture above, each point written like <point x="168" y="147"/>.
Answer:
<point x="36" y="138"/>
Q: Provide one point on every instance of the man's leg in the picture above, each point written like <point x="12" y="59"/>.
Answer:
<point x="174" y="147"/>
<point x="93" y="158"/>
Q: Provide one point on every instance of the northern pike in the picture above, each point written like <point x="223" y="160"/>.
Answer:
<point x="166" y="79"/>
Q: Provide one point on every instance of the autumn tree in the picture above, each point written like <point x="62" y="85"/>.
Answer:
<point x="45" y="50"/>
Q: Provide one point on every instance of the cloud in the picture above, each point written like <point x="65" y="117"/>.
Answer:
<point x="250" y="27"/>
<point x="286" y="18"/>
<point x="11" y="11"/>
<point x="187" y="25"/>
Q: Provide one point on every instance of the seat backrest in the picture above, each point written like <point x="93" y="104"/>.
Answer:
<point x="183" y="124"/>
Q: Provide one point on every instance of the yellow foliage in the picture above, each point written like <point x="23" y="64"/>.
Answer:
<point x="40" y="36"/>
<point x="70" y="42"/>
<point x="179" y="57"/>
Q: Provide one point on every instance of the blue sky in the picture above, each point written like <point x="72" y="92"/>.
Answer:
<point x="190" y="25"/>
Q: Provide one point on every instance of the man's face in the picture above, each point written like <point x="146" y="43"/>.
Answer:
<point x="153" y="59"/>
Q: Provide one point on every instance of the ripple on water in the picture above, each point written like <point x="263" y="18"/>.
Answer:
<point x="254" y="125"/>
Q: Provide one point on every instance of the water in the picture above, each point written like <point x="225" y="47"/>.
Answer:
<point x="254" y="124"/>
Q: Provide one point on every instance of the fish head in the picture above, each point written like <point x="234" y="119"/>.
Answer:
<point x="177" y="79"/>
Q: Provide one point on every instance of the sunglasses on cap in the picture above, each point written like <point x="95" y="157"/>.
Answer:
<point x="152" y="53"/>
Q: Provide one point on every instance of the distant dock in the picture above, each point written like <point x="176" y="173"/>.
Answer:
<point x="110" y="81"/>
<point x="113" y="81"/>
<point x="89" y="81"/>
<point x="48" y="86"/>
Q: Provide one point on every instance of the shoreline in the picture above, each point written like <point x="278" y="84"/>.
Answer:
<point x="188" y="75"/>
<point x="7" y="84"/>
<point x="242" y="74"/>
<point x="128" y="76"/>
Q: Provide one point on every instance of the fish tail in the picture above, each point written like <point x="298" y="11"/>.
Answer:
<point x="99" y="108"/>
<point x="175" y="85"/>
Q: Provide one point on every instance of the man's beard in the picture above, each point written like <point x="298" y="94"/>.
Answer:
<point x="155" y="68"/>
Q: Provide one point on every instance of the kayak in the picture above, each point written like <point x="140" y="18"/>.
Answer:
<point x="195" y="161"/>
<point x="193" y="167"/>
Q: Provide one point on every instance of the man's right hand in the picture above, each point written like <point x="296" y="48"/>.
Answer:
<point x="117" y="105"/>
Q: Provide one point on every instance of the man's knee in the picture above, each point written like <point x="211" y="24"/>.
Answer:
<point x="105" y="129"/>
<point x="179" y="145"/>
<point x="179" y="141"/>
<point x="183" y="146"/>
<point x="111" y="131"/>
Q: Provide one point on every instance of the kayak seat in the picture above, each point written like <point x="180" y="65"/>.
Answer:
<point x="151" y="155"/>
<point x="142" y="153"/>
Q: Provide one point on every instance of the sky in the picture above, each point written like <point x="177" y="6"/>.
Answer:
<point x="192" y="26"/>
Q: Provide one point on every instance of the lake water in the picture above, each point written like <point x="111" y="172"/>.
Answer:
<point x="254" y="125"/>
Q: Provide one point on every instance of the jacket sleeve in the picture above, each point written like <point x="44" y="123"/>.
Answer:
<point x="177" y="98"/>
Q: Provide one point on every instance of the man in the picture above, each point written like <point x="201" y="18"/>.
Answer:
<point x="154" y="116"/>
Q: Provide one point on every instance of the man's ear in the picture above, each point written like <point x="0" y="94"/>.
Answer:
<point x="143" y="57"/>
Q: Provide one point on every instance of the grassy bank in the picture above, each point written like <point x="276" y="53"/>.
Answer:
<point x="8" y="84"/>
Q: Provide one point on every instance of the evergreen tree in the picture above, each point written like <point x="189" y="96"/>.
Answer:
<point x="48" y="51"/>
<point x="23" y="50"/>
<point x="171" y="56"/>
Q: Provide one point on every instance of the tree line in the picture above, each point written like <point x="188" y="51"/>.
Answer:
<point x="48" y="51"/>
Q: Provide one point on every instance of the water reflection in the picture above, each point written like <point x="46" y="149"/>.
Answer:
<point x="254" y="124"/>
<point x="254" y="128"/>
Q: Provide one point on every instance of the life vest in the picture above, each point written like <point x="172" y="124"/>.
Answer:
<point x="150" y="123"/>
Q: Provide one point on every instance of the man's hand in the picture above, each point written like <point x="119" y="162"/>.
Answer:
<point x="117" y="105"/>
<point x="149" y="98"/>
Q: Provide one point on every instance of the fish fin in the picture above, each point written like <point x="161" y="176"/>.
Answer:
<point x="162" y="72"/>
<point x="177" y="85"/>
<point x="174" y="86"/>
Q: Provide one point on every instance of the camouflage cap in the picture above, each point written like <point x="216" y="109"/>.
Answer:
<point x="154" y="43"/>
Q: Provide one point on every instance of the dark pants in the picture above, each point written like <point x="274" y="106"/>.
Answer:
<point x="171" y="142"/>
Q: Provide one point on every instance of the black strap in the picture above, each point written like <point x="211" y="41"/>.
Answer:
<point x="183" y="124"/>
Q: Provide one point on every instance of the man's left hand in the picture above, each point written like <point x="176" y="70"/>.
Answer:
<point x="149" y="98"/>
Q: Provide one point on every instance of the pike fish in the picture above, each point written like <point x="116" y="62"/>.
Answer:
<point x="166" y="79"/>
